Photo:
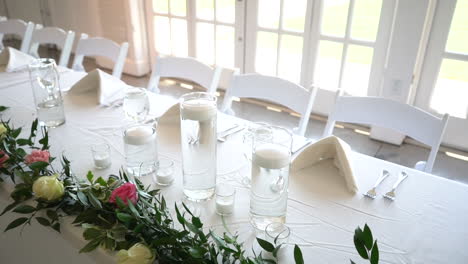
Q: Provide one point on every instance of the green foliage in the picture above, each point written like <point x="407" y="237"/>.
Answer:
<point x="121" y="225"/>
<point x="365" y="245"/>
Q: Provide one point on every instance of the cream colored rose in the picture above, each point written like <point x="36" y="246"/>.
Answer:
<point x="3" y="130"/>
<point x="137" y="254"/>
<point x="48" y="188"/>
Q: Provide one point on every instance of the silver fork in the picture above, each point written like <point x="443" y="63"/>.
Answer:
<point x="391" y="194"/>
<point x="371" y="193"/>
<point x="224" y="135"/>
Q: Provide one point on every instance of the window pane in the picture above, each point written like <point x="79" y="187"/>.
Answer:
<point x="335" y="14"/>
<point x="366" y="19"/>
<point x="160" y="6"/>
<point x="294" y="15"/>
<point x="265" y="60"/>
<point x="458" y="35"/>
<point x="205" y="9"/>
<point x="205" y="42"/>
<point x="290" y="58"/>
<point x="162" y="35"/>
<point x="178" y="7"/>
<point x="451" y="91"/>
<point x="327" y="67"/>
<point x="268" y="13"/>
<point x="225" y="46"/>
<point x="357" y="70"/>
<point x="226" y="11"/>
<point x="179" y="37"/>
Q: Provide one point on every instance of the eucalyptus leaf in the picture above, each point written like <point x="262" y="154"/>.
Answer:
<point x="15" y="223"/>
<point x="298" y="258"/>
<point x="267" y="246"/>
<point x="367" y="237"/>
<point x="94" y="201"/>
<point x="126" y="218"/>
<point x="24" y="209"/>
<point x="92" y="245"/>
<point x="43" y="221"/>
<point x="374" y="259"/>
<point x="361" y="249"/>
<point x="91" y="233"/>
<point x="38" y="165"/>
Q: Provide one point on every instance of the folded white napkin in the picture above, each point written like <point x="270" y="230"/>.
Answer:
<point x="109" y="88"/>
<point x="328" y="148"/>
<point x="14" y="60"/>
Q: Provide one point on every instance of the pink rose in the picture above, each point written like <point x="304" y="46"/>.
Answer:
<point x="37" y="155"/>
<point x="3" y="158"/>
<point x="125" y="192"/>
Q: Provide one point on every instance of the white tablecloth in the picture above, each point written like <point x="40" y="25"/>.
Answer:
<point x="425" y="224"/>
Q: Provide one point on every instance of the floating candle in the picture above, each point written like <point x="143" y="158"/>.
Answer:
<point x="224" y="206"/>
<point x="198" y="109"/>
<point x="139" y="135"/>
<point x="271" y="156"/>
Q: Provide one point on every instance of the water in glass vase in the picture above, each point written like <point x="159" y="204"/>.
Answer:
<point x="140" y="145"/>
<point x="198" y="141"/>
<point x="50" y="113"/>
<point x="269" y="185"/>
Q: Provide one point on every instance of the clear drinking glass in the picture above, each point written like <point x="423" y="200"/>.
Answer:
<point x="165" y="172"/>
<point x="271" y="157"/>
<point x="140" y="144"/>
<point x="101" y="155"/>
<point x="198" y="140"/>
<point x="44" y="79"/>
<point x="136" y="104"/>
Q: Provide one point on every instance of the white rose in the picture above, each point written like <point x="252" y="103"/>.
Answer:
<point x="137" y="254"/>
<point x="48" y="188"/>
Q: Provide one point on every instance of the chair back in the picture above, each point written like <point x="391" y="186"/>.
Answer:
<point x="53" y="35"/>
<point x="20" y="28"/>
<point x="185" y="68"/>
<point x="275" y="90"/>
<point x="100" y="47"/>
<point x="406" y="119"/>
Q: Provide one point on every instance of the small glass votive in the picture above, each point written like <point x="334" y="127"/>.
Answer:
<point x="101" y="155"/>
<point x="225" y="198"/>
<point x="165" y="172"/>
<point x="147" y="168"/>
<point x="277" y="233"/>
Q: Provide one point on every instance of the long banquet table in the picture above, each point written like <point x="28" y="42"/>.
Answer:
<point x="425" y="224"/>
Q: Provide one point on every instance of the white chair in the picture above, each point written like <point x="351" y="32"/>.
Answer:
<point x="100" y="47"/>
<point x="409" y="120"/>
<point x="273" y="89"/>
<point x="53" y="35"/>
<point x="185" y="68"/>
<point x="20" y="28"/>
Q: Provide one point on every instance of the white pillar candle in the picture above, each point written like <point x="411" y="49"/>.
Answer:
<point x="224" y="206"/>
<point x="139" y="135"/>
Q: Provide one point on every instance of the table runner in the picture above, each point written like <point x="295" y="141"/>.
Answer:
<point x="426" y="223"/>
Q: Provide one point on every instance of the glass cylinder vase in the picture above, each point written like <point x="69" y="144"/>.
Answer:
<point x="198" y="140"/>
<point x="141" y="149"/>
<point x="271" y="158"/>
<point x="44" y="79"/>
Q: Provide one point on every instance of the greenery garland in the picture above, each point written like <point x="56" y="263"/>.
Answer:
<point x="120" y="213"/>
